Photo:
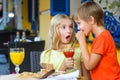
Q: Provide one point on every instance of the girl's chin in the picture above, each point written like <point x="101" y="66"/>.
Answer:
<point x="67" y="42"/>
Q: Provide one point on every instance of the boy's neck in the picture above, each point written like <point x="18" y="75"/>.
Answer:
<point x="97" y="30"/>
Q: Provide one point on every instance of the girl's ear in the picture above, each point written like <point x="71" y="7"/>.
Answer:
<point x="91" y="20"/>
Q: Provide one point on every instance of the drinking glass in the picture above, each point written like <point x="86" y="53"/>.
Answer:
<point x="17" y="56"/>
<point x="69" y="54"/>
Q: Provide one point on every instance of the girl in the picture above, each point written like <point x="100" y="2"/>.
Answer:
<point x="61" y="35"/>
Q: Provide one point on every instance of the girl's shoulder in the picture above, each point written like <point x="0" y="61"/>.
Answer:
<point x="47" y="51"/>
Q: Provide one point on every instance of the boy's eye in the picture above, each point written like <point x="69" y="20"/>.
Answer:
<point x="71" y="26"/>
<point x="78" y="23"/>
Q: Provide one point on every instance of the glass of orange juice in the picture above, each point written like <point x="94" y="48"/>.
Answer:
<point x="17" y="56"/>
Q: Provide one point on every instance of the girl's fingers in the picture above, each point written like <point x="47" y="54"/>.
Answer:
<point x="69" y="62"/>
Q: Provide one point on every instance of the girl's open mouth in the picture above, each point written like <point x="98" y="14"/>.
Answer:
<point x="68" y="37"/>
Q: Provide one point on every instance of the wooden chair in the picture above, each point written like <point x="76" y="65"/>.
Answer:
<point x="35" y="61"/>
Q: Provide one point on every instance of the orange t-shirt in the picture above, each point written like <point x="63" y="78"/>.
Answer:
<point x="108" y="68"/>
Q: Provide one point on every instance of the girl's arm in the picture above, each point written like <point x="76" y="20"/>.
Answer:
<point x="47" y="66"/>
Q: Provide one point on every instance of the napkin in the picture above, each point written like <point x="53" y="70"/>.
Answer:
<point x="69" y="76"/>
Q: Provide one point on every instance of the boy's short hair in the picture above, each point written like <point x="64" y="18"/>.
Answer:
<point x="88" y="9"/>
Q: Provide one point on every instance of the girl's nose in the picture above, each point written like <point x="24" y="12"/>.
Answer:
<point x="69" y="30"/>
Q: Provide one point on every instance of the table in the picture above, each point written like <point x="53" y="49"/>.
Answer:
<point x="16" y="77"/>
<point x="69" y="76"/>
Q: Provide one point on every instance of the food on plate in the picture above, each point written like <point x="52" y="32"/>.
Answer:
<point x="29" y="74"/>
<point x="43" y="71"/>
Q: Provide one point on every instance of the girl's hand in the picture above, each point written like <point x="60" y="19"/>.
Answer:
<point x="69" y="62"/>
<point x="47" y="66"/>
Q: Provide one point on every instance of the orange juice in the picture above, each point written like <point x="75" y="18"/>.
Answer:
<point x="17" y="57"/>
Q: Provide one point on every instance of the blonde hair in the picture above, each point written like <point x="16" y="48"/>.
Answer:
<point x="88" y="9"/>
<point x="53" y="35"/>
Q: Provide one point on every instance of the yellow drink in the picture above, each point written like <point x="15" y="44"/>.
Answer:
<point x="17" y="57"/>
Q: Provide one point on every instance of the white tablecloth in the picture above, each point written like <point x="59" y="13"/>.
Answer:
<point x="69" y="76"/>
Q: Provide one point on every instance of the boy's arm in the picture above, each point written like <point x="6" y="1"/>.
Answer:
<point x="90" y="59"/>
<point x="85" y="72"/>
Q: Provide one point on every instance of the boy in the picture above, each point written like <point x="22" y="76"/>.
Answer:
<point x="102" y="61"/>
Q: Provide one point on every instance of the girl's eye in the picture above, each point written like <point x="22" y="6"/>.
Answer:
<point x="63" y="27"/>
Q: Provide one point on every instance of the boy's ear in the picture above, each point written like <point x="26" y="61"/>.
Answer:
<point x="91" y="20"/>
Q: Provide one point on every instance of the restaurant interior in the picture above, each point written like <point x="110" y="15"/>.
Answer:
<point x="33" y="17"/>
